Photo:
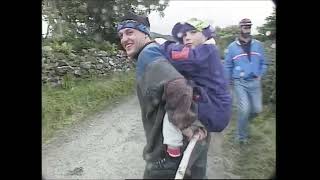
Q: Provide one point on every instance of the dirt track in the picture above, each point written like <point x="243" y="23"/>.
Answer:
<point x="109" y="146"/>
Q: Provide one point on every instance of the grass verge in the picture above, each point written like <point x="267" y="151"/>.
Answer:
<point x="80" y="99"/>
<point x="257" y="159"/>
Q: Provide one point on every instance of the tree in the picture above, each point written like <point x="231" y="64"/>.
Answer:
<point x="94" y="19"/>
<point x="267" y="34"/>
<point x="225" y="36"/>
<point x="268" y="30"/>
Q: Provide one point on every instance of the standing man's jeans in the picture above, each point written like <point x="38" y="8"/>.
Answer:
<point x="249" y="102"/>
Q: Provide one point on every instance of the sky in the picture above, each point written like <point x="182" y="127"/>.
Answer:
<point x="216" y="12"/>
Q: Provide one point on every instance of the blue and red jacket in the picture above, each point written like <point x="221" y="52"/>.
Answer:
<point x="203" y="66"/>
<point x="239" y="65"/>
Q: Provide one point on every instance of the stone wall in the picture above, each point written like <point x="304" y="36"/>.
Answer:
<point x="88" y="63"/>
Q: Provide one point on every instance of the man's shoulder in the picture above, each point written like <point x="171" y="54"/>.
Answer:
<point x="233" y="44"/>
<point x="152" y="49"/>
<point x="256" y="41"/>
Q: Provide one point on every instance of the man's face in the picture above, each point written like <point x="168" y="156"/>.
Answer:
<point x="132" y="40"/>
<point x="245" y="31"/>
<point x="193" y="38"/>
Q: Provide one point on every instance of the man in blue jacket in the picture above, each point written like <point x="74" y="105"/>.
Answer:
<point x="245" y="64"/>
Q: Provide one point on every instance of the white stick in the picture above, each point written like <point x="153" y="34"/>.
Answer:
<point x="186" y="156"/>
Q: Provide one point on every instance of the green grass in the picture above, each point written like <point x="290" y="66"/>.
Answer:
<point x="79" y="99"/>
<point x="255" y="160"/>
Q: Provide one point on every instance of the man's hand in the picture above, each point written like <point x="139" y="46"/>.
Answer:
<point x="188" y="132"/>
<point x="202" y="133"/>
<point x="193" y="130"/>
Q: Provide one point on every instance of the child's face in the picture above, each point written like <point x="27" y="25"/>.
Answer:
<point x="193" y="38"/>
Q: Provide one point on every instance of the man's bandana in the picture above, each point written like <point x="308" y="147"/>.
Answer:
<point x="133" y="24"/>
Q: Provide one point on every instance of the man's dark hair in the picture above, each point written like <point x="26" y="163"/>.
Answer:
<point x="141" y="19"/>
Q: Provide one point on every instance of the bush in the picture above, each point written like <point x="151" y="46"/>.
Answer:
<point x="68" y="44"/>
<point x="79" y="44"/>
<point x="63" y="47"/>
<point x="269" y="81"/>
<point x="108" y="47"/>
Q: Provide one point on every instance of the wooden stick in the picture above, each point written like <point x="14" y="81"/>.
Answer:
<point x="186" y="156"/>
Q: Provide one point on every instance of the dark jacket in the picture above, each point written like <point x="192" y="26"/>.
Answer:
<point x="160" y="88"/>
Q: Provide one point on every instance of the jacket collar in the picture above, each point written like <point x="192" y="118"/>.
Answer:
<point x="137" y="55"/>
<point x="238" y="41"/>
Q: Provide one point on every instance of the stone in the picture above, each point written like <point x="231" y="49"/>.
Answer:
<point x="111" y="63"/>
<point x="85" y="65"/>
<point x="46" y="48"/>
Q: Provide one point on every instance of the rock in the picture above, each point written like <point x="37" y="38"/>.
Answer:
<point x="92" y="71"/>
<point x="82" y="58"/>
<point x="63" y="69"/>
<point x="84" y="51"/>
<point x="46" y="48"/>
<point x="60" y="56"/>
<point x="53" y="79"/>
<point x="85" y="65"/>
<point x="111" y="63"/>
<point x="73" y="64"/>
<point x="100" y="60"/>
<point x="105" y="59"/>
<point x="92" y="50"/>
<point x="48" y="60"/>
<point x="84" y="72"/>
<point x="63" y="63"/>
<point x="72" y="55"/>
<point x="91" y="59"/>
<point x="44" y="78"/>
<point x="99" y="66"/>
<point x="77" y="73"/>
<point x="102" y="53"/>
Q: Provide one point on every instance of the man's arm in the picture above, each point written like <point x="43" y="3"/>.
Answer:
<point x="228" y="64"/>
<point x="263" y="61"/>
